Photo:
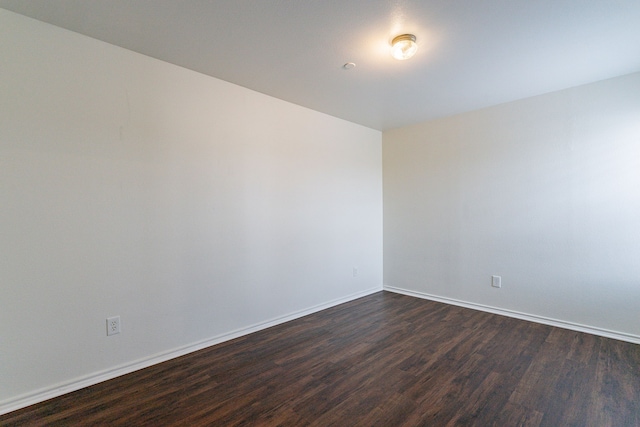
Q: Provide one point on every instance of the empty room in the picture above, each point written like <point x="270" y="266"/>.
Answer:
<point x="314" y="213"/>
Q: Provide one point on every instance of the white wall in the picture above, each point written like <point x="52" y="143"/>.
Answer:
<point x="544" y="192"/>
<point x="191" y="207"/>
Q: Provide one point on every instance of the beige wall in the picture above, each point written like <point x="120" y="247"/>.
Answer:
<point x="193" y="208"/>
<point x="544" y="192"/>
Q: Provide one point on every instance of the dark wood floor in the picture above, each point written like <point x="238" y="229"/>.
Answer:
<point x="387" y="360"/>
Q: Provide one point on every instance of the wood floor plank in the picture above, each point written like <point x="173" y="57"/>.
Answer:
<point x="617" y="391"/>
<point x="382" y="360"/>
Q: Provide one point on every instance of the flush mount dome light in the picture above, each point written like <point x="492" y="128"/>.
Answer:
<point x="404" y="46"/>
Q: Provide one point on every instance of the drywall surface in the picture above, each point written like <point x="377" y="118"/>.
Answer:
<point x="544" y="192"/>
<point x="188" y="206"/>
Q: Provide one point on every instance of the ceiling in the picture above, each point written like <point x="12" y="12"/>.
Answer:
<point x="472" y="53"/>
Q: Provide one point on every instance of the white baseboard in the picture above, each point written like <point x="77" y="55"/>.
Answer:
<point x="41" y="395"/>
<point x="635" y="339"/>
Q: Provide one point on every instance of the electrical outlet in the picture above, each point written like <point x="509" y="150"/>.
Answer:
<point x="355" y="271"/>
<point x="496" y="281"/>
<point x="113" y="325"/>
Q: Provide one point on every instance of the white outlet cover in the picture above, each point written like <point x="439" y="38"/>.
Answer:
<point x="113" y="325"/>
<point x="496" y="281"/>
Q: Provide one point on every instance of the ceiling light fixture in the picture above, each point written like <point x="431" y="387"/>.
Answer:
<point x="404" y="46"/>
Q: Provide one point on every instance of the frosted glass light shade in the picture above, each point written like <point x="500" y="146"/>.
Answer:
<point x="404" y="46"/>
